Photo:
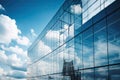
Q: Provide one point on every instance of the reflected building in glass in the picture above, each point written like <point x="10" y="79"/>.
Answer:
<point x="81" y="42"/>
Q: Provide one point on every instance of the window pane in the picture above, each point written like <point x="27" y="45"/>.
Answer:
<point x="89" y="74"/>
<point x="88" y="48"/>
<point x="100" y="43"/>
<point x="114" y="38"/>
<point x="78" y="51"/>
<point x="101" y="73"/>
<point x="114" y="72"/>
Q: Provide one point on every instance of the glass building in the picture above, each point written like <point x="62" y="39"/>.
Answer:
<point x="81" y="42"/>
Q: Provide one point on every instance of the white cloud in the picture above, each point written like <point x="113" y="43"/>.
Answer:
<point x="12" y="74"/>
<point x="76" y="9"/>
<point x="23" y="40"/>
<point x="1" y="7"/>
<point x="17" y="59"/>
<point x="54" y="35"/>
<point x="42" y="49"/>
<point x="8" y="29"/>
<point x="17" y="75"/>
<point x="14" y="60"/>
<point x="13" y="57"/>
<point x="33" y="32"/>
<point x="3" y="56"/>
<point x="9" y="61"/>
<point x="2" y="72"/>
<point x="15" y="49"/>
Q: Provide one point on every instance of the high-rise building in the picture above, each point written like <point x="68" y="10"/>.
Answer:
<point x="81" y="42"/>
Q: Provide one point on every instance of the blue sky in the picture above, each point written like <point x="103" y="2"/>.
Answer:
<point x="21" y="21"/>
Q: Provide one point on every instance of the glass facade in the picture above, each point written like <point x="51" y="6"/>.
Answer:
<point x="81" y="42"/>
